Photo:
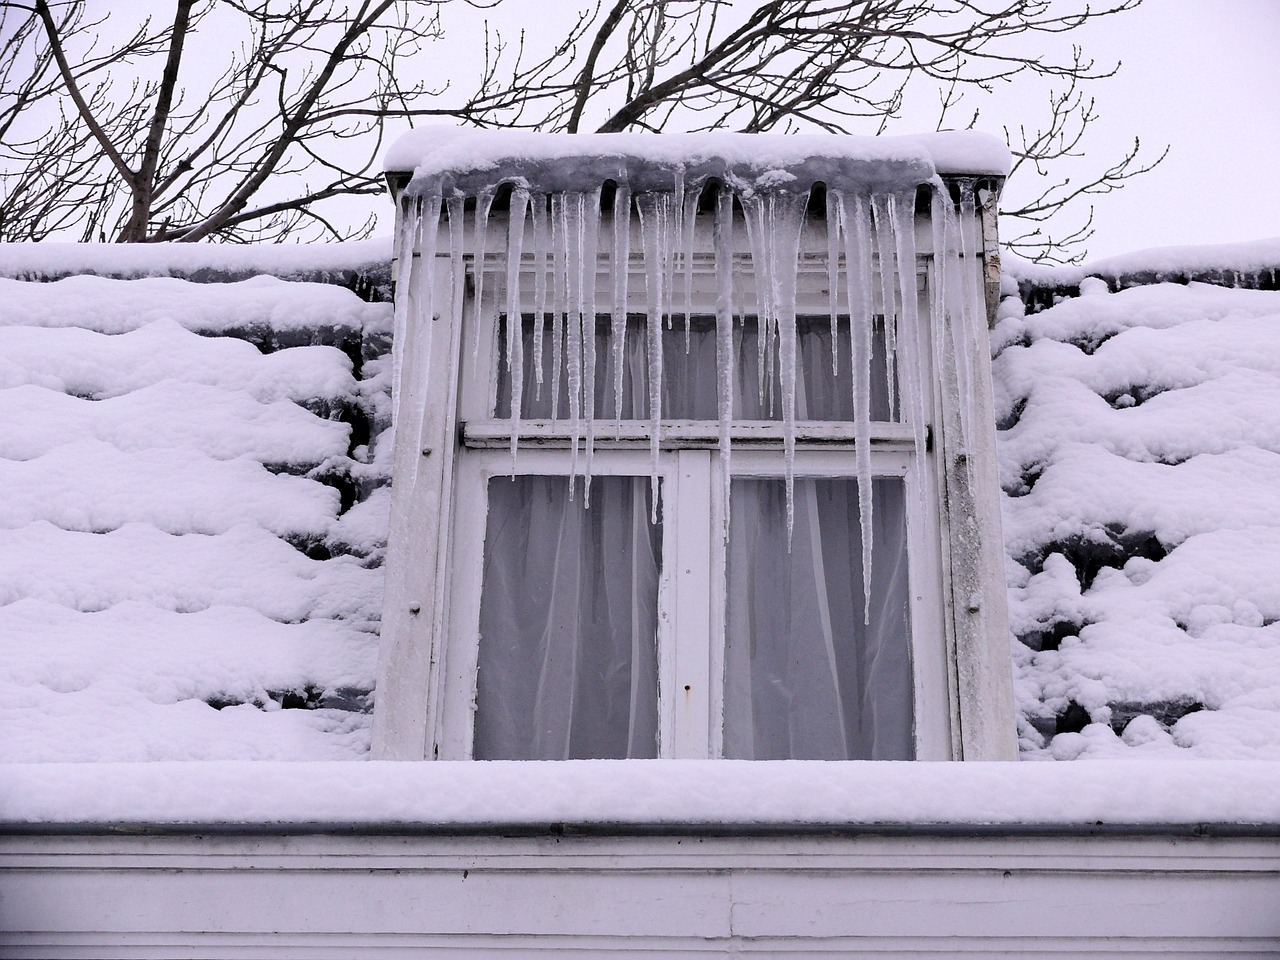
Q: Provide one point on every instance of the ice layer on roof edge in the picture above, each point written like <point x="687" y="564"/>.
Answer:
<point x="471" y="161"/>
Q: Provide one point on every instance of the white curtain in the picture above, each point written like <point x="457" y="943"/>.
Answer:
<point x="568" y="619"/>
<point x="805" y="677"/>
<point x="568" y="622"/>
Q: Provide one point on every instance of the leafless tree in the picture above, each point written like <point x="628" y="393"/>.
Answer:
<point x="96" y="138"/>
<point x="298" y="114"/>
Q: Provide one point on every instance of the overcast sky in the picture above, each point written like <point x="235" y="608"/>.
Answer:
<point x="1204" y="77"/>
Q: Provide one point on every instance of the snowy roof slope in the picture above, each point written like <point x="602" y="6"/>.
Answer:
<point x="1140" y="455"/>
<point x="187" y="548"/>
<point x="191" y="533"/>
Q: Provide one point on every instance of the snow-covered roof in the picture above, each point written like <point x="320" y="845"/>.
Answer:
<point x="187" y="543"/>
<point x="1140" y="455"/>
<point x="470" y="161"/>
<point x="191" y="533"/>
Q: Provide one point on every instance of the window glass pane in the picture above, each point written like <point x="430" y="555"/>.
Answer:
<point x="568" y="621"/>
<point x="805" y="677"/>
<point x="689" y="376"/>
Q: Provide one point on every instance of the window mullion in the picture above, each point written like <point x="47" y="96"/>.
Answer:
<point x="688" y="698"/>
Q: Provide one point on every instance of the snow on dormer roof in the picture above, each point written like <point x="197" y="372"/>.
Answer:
<point x="471" y="161"/>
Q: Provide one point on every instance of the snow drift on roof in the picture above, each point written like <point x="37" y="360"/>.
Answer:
<point x="178" y="575"/>
<point x="1140" y="455"/>
<point x="26" y="261"/>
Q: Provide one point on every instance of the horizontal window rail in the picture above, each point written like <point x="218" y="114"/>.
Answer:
<point x="685" y="434"/>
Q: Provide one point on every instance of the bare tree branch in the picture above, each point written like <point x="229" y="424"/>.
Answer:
<point x="111" y="139"/>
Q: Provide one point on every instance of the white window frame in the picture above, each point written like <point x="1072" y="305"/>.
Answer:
<point x="426" y="672"/>
<point x="691" y="586"/>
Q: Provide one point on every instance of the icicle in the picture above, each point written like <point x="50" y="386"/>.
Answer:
<point x="902" y="220"/>
<point x="887" y="257"/>
<point x="966" y="268"/>
<point x="902" y="210"/>
<point x="573" y="325"/>
<point x="689" y="217"/>
<point x="775" y="253"/>
<point x="938" y="332"/>
<point x="855" y="225"/>
<point x="410" y="218"/>
<point x="590" y="242"/>
<point x="539" y="204"/>
<point x="833" y="277"/>
<point x="652" y="224"/>
<point x="672" y="205"/>
<point x="757" y="238"/>
<point x="724" y="342"/>
<point x="484" y="202"/>
<point x="559" y="256"/>
<point x="457" y="266"/>
<point x="947" y="311"/>
<point x="621" y="267"/>
<point x="786" y="261"/>
<point x="515" y="322"/>
<point x="407" y="407"/>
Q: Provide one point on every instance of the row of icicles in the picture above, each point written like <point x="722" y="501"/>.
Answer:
<point x="557" y="239"/>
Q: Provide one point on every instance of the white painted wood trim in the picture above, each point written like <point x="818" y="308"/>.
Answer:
<point x="417" y="554"/>
<point x="413" y="676"/>
<point x="657" y="896"/>
<point x="682" y="434"/>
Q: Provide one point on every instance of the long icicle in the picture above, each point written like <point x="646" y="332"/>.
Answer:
<point x="515" y="317"/>
<point x="724" y="344"/>
<point x="457" y="250"/>
<point x="753" y="209"/>
<point x="559" y="255"/>
<point x="786" y="232"/>
<point x="902" y="207"/>
<point x="886" y="258"/>
<point x="855" y="221"/>
<point x="620" y="264"/>
<point x="421" y="291"/>
<point x="938" y="332"/>
<point x="688" y="219"/>
<point x="651" y="236"/>
<point x="674" y="236"/>
<point x="410" y="218"/>
<point x="966" y="270"/>
<point x="538" y="203"/>
<point x="573" y="326"/>
<point x="590" y="243"/>
<point x="484" y="202"/>
<point x="833" y="276"/>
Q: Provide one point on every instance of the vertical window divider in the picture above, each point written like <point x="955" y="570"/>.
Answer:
<point x="689" y="699"/>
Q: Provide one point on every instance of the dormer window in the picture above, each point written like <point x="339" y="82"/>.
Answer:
<point x="685" y="443"/>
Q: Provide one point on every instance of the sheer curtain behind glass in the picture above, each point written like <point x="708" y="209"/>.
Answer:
<point x="689" y="378"/>
<point x="805" y="678"/>
<point x="568" y="621"/>
<point x="569" y="602"/>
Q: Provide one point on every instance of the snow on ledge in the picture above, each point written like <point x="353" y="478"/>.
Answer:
<point x="25" y="261"/>
<point x="1252" y="256"/>
<point x="474" y="156"/>
<point x="642" y="792"/>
